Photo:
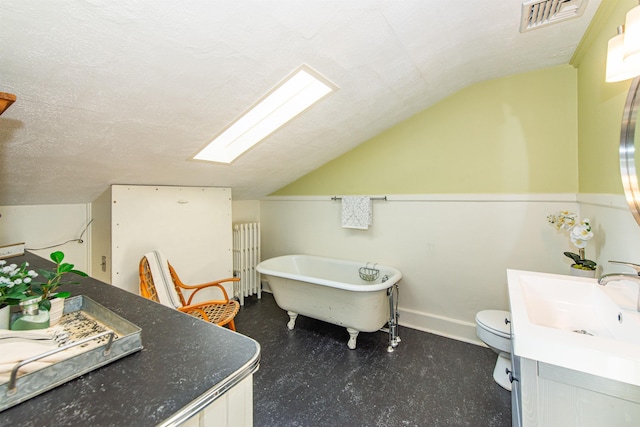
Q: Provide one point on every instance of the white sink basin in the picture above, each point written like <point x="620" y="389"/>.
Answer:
<point x="574" y="323"/>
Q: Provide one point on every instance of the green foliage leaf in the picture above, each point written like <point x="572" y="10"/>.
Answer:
<point x="36" y="288"/>
<point x="18" y="292"/>
<point x="79" y="273"/>
<point x="588" y="263"/>
<point x="574" y="257"/>
<point x="57" y="257"/>
<point x="45" y="304"/>
<point x="62" y="295"/>
<point x="65" y="268"/>
<point x="585" y="263"/>
<point x="47" y="274"/>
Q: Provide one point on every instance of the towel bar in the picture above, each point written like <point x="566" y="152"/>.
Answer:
<point x="372" y="198"/>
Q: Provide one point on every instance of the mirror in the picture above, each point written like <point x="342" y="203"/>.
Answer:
<point x="628" y="139"/>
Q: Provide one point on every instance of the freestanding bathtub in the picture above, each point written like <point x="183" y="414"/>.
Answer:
<point x="333" y="291"/>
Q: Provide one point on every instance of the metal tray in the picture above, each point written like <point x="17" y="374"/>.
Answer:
<point x="120" y="338"/>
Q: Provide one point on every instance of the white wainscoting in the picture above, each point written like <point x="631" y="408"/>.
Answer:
<point x="453" y="250"/>
<point x="617" y="235"/>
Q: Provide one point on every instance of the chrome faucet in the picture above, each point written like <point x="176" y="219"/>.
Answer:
<point x="623" y="276"/>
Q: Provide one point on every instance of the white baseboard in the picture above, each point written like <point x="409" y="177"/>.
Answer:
<point x="265" y="286"/>
<point x="439" y="325"/>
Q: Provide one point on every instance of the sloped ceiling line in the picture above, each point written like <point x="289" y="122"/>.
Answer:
<point x="126" y="91"/>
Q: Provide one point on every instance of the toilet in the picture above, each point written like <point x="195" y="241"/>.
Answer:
<point x="493" y="327"/>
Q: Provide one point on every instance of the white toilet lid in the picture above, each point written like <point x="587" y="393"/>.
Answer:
<point x="493" y="320"/>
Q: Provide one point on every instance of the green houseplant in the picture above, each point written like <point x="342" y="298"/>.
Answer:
<point x="54" y="280"/>
<point x="14" y="282"/>
<point x="580" y="233"/>
<point x="14" y="287"/>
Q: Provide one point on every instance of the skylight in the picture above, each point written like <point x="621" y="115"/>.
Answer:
<point x="302" y="89"/>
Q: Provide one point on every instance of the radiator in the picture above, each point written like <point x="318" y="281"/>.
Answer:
<point x="246" y="256"/>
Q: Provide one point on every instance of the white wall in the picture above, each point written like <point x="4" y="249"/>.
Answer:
<point x="617" y="235"/>
<point x="453" y="250"/>
<point x="244" y="211"/>
<point x="47" y="225"/>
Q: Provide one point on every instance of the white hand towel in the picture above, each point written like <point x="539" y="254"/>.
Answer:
<point x="356" y="212"/>
<point x="36" y="334"/>
<point x="15" y="346"/>
<point x="14" y="350"/>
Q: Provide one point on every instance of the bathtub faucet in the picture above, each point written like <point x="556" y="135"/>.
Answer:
<point x="385" y="278"/>
<point x="624" y="276"/>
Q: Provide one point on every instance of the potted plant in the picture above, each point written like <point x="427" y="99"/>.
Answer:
<point x="14" y="287"/>
<point x="579" y="233"/>
<point x="53" y="281"/>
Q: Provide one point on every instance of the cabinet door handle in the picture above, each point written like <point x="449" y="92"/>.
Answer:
<point x="506" y="321"/>
<point x="511" y="377"/>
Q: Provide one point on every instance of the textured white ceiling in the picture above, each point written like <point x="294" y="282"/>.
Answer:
<point x="125" y="92"/>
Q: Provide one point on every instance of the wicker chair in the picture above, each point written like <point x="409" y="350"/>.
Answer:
<point x="159" y="282"/>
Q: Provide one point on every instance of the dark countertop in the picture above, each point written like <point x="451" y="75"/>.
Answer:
<point x="183" y="360"/>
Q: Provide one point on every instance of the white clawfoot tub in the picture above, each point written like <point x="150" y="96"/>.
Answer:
<point x="331" y="290"/>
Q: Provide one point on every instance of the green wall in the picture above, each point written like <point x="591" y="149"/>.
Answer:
<point x="551" y="130"/>
<point x="516" y="134"/>
<point x="600" y="104"/>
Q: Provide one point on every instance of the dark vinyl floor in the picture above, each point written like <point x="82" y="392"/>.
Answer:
<point x="309" y="377"/>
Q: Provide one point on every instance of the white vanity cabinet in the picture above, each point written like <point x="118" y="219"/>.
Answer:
<point x="575" y="353"/>
<point x="516" y="393"/>
<point x="553" y="396"/>
<point x="233" y="409"/>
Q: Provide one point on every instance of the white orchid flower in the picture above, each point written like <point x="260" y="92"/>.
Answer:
<point x="582" y="232"/>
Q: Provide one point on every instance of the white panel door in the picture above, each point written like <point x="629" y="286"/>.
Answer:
<point x="191" y="225"/>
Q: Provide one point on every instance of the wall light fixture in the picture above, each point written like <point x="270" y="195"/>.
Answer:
<point x="623" y="51"/>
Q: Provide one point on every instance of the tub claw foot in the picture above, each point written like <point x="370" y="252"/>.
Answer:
<point x="394" y="343"/>
<point x="353" y="336"/>
<point x="292" y="320"/>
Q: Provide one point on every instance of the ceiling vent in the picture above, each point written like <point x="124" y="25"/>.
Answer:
<point x="540" y="13"/>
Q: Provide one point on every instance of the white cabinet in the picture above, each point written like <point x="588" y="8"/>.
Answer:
<point x="233" y="409"/>
<point x="191" y="225"/>
<point x="516" y="392"/>
<point x="553" y="396"/>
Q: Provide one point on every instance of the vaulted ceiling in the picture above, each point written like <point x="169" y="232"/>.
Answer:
<point x="126" y="92"/>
